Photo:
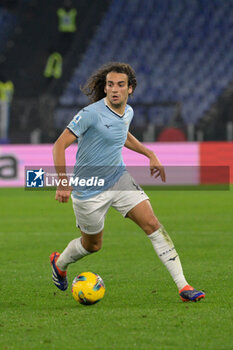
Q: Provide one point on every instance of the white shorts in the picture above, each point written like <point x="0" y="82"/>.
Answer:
<point x="90" y="213"/>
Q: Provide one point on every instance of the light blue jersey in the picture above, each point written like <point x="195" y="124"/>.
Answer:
<point x="101" y="136"/>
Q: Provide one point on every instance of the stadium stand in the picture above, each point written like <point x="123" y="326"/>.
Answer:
<point x="8" y="22"/>
<point x="35" y="96"/>
<point x="39" y="35"/>
<point x="181" y="51"/>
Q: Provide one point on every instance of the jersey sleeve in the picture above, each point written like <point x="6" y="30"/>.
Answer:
<point x="131" y="114"/>
<point x="81" y="122"/>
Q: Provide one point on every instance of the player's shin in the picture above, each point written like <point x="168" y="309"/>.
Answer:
<point x="166" y="252"/>
<point x="73" y="252"/>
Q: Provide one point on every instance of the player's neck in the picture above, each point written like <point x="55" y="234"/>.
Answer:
<point x="120" y="111"/>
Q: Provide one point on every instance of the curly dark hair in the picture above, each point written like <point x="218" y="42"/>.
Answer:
<point x="94" y="87"/>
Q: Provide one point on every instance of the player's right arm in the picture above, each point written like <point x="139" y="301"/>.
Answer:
<point x="63" y="141"/>
<point x="78" y="125"/>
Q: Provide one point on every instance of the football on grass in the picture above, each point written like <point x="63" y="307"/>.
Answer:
<point x="88" y="288"/>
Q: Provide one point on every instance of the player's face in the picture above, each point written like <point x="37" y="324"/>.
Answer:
<point x="117" y="90"/>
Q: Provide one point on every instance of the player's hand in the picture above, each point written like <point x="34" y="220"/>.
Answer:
<point x="63" y="195"/>
<point x="156" y="168"/>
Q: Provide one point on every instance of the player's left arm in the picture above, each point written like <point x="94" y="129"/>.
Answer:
<point x="156" y="168"/>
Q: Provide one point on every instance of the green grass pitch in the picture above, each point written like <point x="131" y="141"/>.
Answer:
<point x="141" y="308"/>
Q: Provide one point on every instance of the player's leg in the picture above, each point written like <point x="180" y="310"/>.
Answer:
<point x="143" y="215"/>
<point x="92" y="243"/>
<point x="90" y="216"/>
<point x="131" y="201"/>
<point x="76" y="250"/>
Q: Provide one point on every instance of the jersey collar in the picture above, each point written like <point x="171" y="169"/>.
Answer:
<point x="119" y="115"/>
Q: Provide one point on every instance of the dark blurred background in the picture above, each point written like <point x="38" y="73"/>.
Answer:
<point x="181" y="51"/>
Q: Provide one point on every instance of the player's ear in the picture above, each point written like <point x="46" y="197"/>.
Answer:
<point x="105" y="89"/>
<point x="130" y="89"/>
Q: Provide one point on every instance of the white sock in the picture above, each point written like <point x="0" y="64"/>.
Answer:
<point x="166" y="252"/>
<point x="73" y="252"/>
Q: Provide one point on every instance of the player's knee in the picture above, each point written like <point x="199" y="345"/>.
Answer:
<point x="93" y="246"/>
<point x="152" y="224"/>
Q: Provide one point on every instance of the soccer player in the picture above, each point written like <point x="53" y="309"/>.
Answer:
<point x="102" y="131"/>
